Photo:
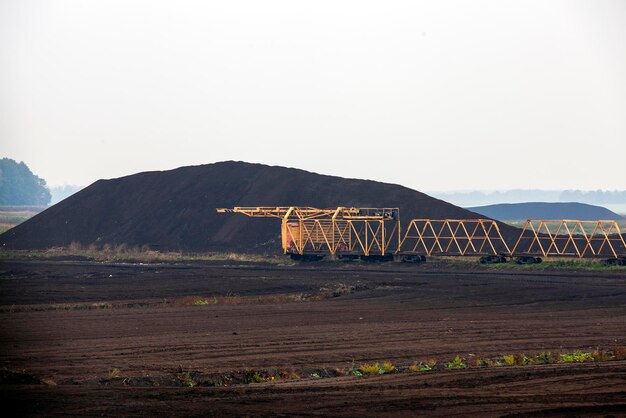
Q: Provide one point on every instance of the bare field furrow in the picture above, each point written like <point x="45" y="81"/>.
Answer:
<point x="134" y="352"/>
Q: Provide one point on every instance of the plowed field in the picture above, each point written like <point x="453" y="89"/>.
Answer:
<point x="79" y="338"/>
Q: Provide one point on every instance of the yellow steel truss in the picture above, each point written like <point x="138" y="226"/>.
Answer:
<point x="377" y="231"/>
<point x="453" y="237"/>
<point x="341" y="230"/>
<point x="300" y="212"/>
<point x="566" y="237"/>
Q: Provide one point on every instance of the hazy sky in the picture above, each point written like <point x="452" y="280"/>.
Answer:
<point x="438" y="95"/>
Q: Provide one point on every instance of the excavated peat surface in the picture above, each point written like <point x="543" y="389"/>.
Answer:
<point x="87" y="339"/>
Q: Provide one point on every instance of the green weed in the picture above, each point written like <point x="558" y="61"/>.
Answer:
<point x="457" y="363"/>
<point x="354" y="371"/>
<point x="545" y="358"/>
<point x="576" y="357"/>
<point x="422" y="367"/>
<point x="256" y="377"/>
<point x="201" y="302"/>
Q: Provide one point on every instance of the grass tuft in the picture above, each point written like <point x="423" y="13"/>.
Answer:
<point x="388" y="367"/>
<point x="545" y="358"/>
<point x="576" y="357"/>
<point x="377" y="368"/>
<point x="373" y="368"/>
<point x="457" y="363"/>
<point x="422" y="367"/>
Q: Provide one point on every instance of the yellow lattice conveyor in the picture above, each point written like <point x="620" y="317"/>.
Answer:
<point x="376" y="233"/>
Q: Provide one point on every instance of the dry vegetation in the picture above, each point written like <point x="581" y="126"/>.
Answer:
<point x="192" y="378"/>
<point x="234" y="299"/>
<point x="125" y="253"/>
<point x="456" y="363"/>
<point x="128" y="254"/>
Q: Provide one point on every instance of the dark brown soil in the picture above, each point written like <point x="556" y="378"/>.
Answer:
<point x="73" y="324"/>
<point x="175" y="210"/>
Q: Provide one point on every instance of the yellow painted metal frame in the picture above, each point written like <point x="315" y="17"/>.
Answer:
<point x="453" y="237"/>
<point x="300" y="212"/>
<point x="341" y="230"/>
<point x="377" y="231"/>
<point x="567" y="237"/>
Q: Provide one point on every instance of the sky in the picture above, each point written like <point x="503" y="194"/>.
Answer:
<point x="433" y="95"/>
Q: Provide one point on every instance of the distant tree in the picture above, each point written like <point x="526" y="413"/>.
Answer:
<point x="20" y="187"/>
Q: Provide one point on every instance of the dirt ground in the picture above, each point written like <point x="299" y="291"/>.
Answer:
<point x="92" y="339"/>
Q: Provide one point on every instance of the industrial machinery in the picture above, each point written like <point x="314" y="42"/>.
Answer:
<point x="375" y="234"/>
<point x="455" y="237"/>
<point x="310" y="233"/>
<point x="570" y="238"/>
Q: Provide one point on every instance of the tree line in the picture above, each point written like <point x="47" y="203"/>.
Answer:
<point x="20" y="187"/>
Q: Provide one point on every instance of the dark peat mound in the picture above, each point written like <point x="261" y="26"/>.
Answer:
<point x="175" y="210"/>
